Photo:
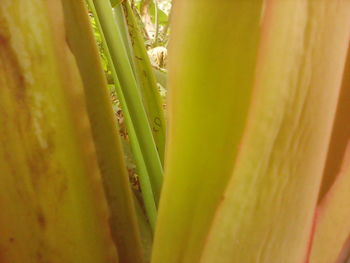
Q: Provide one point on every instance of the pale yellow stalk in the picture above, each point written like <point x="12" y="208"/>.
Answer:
<point x="267" y="211"/>
<point x="51" y="196"/>
<point x="212" y="63"/>
<point x="332" y="228"/>
<point x="106" y="136"/>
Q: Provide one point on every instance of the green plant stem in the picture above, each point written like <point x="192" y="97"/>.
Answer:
<point x="148" y="82"/>
<point x="146" y="188"/>
<point x="204" y="86"/>
<point x="131" y="93"/>
<point x="122" y="25"/>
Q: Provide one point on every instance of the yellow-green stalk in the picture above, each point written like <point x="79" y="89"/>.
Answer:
<point x="148" y="82"/>
<point x="331" y="241"/>
<point x="105" y="132"/>
<point x="211" y="74"/>
<point x="269" y="204"/>
<point x="131" y="94"/>
<point x="54" y="207"/>
<point x="146" y="188"/>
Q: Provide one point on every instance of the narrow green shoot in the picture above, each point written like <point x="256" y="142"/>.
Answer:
<point x="131" y="94"/>
<point x="123" y="27"/>
<point x="145" y="183"/>
<point x="149" y="88"/>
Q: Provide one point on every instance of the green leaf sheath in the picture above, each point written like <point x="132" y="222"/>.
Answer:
<point x="267" y="213"/>
<point x="211" y="75"/>
<point x="131" y="94"/>
<point x="124" y="31"/>
<point x="236" y="179"/>
<point x="146" y="188"/>
<point x="105" y="133"/>
<point x="51" y="197"/>
<point x="148" y="85"/>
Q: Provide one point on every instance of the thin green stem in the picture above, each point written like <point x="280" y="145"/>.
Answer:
<point x="148" y="82"/>
<point x="131" y="93"/>
<point x="145" y="184"/>
<point x="123" y="27"/>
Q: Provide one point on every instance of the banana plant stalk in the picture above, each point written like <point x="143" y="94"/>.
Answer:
<point x="331" y="242"/>
<point x="124" y="31"/>
<point x="210" y="82"/>
<point x="52" y="200"/>
<point x="249" y="184"/>
<point x="104" y="127"/>
<point x="131" y="94"/>
<point x="146" y="188"/>
<point x="148" y="81"/>
<point x="270" y="202"/>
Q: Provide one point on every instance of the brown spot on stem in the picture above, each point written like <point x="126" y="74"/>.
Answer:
<point x="41" y="219"/>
